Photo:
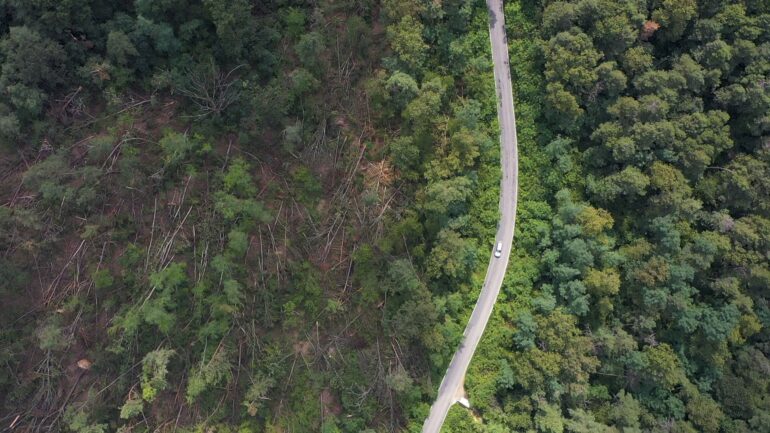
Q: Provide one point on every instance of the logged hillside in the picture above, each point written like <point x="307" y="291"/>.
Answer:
<point x="238" y="216"/>
<point x="275" y="216"/>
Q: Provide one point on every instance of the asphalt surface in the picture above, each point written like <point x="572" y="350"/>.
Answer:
<point x="451" y="388"/>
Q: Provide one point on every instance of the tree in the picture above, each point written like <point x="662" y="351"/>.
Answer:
<point x="571" y="61"/>
<point x="257" y="393"/>
<point x="674" y="195"/>
<point x="398" y="380"/>
<point x="210" y="372"/>
<point x="629" y="182"/>
<point x="704" y="413"/>
<point x="159" y="308"/>
<point x="10" y="128"/>
<point x="564" y="108"/>
<point x="581" y="421"/>
<point x="120" y="49"/>
<point x="673" y="16"/>
<point x="445" y="199"/>
<point x="154" y="372"/>
<point x="452" y="257"/>
<point x="235" y="201"/>
<point x="526" y="331"/>
<point x="407" y="42"/>
<point x="741" y="184"/>
<point x="49" y="178"/>
<point x="27" y="101"/>
<point x="31" y="59"/>
<point x="234" y="24"/>
<point x="636" y="60"/>
<point x="626" y="411"/>
<point x="593" y="221"/>
<point x="302" y="82"/>
<point x="401" y="88"/>
<point x="309" y="49"/>
<point x="77" y="421"/>
<point x="548" y="419"/>
<point x="237" y="180"/>
<point x="294" y="19"/>
<point x="663" y="366"/>
<point x="176" y="148"/>
<point x="558" y="16"/>
<point x="603" y="285"/>
<point x="579" y="242"/>
<point x="403" y="278"/>
<point x="708" y="135"/>
<point x="32" y="66"/>
<point x="413" y="318"/>
<point x="406" y="156"/>
<point x="718" y="324"/>
<point x="156" y="40"/>
<point x="614" y="33"/>
<point x="561" y="361"/>
<point x="612" y="81"/>
<point x="423" y="111"/>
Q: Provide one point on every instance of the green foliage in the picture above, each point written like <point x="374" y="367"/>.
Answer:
<point x="235" y="201"/>
<point x="211" y="372"/>
<point x="131" y="408"/>
<point x="526" y="330"/>
<point x="233" y="23"/>
<point x="663" y="366"/>
<point x="30" y="59"/>
<point x="302" y="83"/>
<point x="572" y="61"/>
<point x="405" y="155"/>
<point x="154" y="371"/>
<point x="626" y="411"/>
<point x="406" y="40"/>
<point x="422" y="112"/>
<point x="158" y="308"/>
<point x="294" y="20"/>
<point x="245" y="210"/>
<point x="548" y="419"/>
<point x="308" y="188"/>
<point x="10" y="128"/>
<point x="49" y="179"/>
<point x="28" y="103"/>
<point x="673" y="17"/>
<point x="308" y="48"/>
<point x="177" y="148"/>
<point x="120" y="49"/>
<point x="399" y="380"/>
<point x="237" y="179"/>
<point x="453" y="256"/>
<point x="51" y="335"/>
<point x="401" y="89"/>
<point x="581" y="421"/>
<point x="77" y="422"/>
<point x="103" y="279"/>
<point x="257" y="393"/>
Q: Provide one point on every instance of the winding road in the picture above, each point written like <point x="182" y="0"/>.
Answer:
<point x="451" y="389"/>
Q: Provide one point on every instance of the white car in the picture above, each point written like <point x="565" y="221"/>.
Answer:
<point x="499" y="250"/>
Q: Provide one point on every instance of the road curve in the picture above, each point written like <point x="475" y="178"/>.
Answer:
<point x="451" y="388"/>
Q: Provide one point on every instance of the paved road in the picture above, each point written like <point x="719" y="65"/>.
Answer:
<point x="451" y="388"/>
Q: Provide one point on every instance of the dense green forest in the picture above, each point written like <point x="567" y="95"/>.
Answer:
<point x="274" y="216"/>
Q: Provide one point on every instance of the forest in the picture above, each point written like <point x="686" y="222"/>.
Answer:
<point x="274" y="216"/>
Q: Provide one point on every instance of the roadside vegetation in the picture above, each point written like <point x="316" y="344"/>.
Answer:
<point x="637" y="297"/>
